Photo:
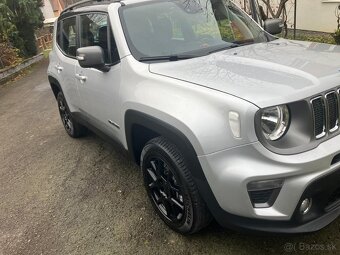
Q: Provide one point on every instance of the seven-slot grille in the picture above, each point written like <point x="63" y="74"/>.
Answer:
<point x="325" y="114"/>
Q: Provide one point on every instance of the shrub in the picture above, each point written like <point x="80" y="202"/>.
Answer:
<point x="336" y="36"/>
<point x="9" y="56"/>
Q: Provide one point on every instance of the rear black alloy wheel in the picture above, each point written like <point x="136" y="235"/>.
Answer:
<point x="72" y="127"/>
<point x="171" y="188"/>
<point x="65" y="116"/>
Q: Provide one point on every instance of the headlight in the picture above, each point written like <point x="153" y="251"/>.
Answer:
<point x="274" y="122"/>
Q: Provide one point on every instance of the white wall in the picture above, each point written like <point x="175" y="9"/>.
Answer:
<point x="316" y="15"/>
<point x="47" y="10"/>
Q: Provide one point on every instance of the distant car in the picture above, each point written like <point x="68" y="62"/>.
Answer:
<point x="225" y="120"/>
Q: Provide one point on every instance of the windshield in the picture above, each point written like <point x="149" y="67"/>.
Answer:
<point x="180" y="29"/>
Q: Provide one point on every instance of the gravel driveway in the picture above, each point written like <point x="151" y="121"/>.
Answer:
<point x="64" y="196"/>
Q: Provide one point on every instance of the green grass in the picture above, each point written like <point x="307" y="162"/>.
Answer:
<point x="47" y="52"/>
<point x="312" y="37"/>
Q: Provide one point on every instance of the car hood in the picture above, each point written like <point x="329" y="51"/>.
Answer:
<point x="264" y="74"/>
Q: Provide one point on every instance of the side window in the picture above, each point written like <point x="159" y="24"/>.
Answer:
<point x="58" y="33"/>
<point x="95" y="31"/>
<point x="68" y="37"/>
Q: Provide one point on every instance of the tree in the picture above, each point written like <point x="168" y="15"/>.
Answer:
<point x="27" y="18"/>
<point x="18" y="21"/>
<point x="8" y="54"/>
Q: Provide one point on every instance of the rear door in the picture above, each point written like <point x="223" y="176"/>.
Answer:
<point x="65" y="60"/>
<point x="99" y="91"/>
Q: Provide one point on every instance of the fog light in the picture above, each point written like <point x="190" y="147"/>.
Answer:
<point x="263" y="194"/>
<point x="305" y="206"/>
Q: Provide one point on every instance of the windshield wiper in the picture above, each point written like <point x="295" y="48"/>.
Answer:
<point x="224" y="48"/>
<point x="167" y="58"/>
<point x="234" y="45"/>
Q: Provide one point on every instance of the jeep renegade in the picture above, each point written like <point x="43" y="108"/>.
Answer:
<point x="225" y="120"/>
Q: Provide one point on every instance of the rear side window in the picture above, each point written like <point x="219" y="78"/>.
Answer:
<point x="67" y="37"/>
<point x="95" y="31"/>
<point x="58" y="32"/>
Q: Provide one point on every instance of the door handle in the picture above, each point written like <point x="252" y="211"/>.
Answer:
<point x="59" y="68"/>
<point x="81" y="78"/>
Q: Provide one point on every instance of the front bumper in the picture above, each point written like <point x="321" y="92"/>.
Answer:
<point x="324" y="210"/>
<point x="312" y="174"/>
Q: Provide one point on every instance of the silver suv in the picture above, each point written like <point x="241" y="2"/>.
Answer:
<point x="225" y="120"/>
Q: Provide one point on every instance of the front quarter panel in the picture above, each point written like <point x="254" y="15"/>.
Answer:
<point x="201" y="114"/>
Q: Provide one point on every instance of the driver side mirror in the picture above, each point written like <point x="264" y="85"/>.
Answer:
<point x="92" y="57"/>
<point x="273" y="26"/>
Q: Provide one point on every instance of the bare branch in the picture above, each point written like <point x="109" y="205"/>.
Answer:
<point x="281" y="7"/>
<point x="269" y="7"/>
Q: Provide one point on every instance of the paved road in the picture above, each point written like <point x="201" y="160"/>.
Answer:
<point x="64" y="196"/>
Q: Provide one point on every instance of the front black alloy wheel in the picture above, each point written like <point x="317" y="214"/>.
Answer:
<point x="171" y="189"/>
<point x="165" y="190"/>
<point x="73" y="128"/>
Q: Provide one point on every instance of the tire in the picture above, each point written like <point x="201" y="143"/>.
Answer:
<point x="171" y="189"/>
<point x="72" y="127"/>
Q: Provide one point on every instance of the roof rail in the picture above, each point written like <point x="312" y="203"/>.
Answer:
<point x="84" y="3"/>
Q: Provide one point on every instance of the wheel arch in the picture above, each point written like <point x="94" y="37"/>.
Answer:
<point x="55" y="86"/>
<point x="141" y="128"/>
<point x="137" y="122"/>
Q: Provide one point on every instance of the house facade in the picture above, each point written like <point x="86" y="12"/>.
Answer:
<point x="312" y="15"/>
<point x="52" y="10"/>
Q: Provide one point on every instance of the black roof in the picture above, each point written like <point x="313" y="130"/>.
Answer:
<point x="86" y="6"/>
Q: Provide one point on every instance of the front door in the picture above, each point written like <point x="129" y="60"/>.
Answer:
<point x="99" y="91"/>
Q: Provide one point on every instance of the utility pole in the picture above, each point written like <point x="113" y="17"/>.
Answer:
<point x="295" y="7"/>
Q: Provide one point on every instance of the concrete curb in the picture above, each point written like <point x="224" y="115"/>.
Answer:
<point x="7" y="73"/>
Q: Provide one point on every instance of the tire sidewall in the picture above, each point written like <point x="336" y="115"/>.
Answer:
<point x="155" y="151"/>
<point x="60" y="97"/>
